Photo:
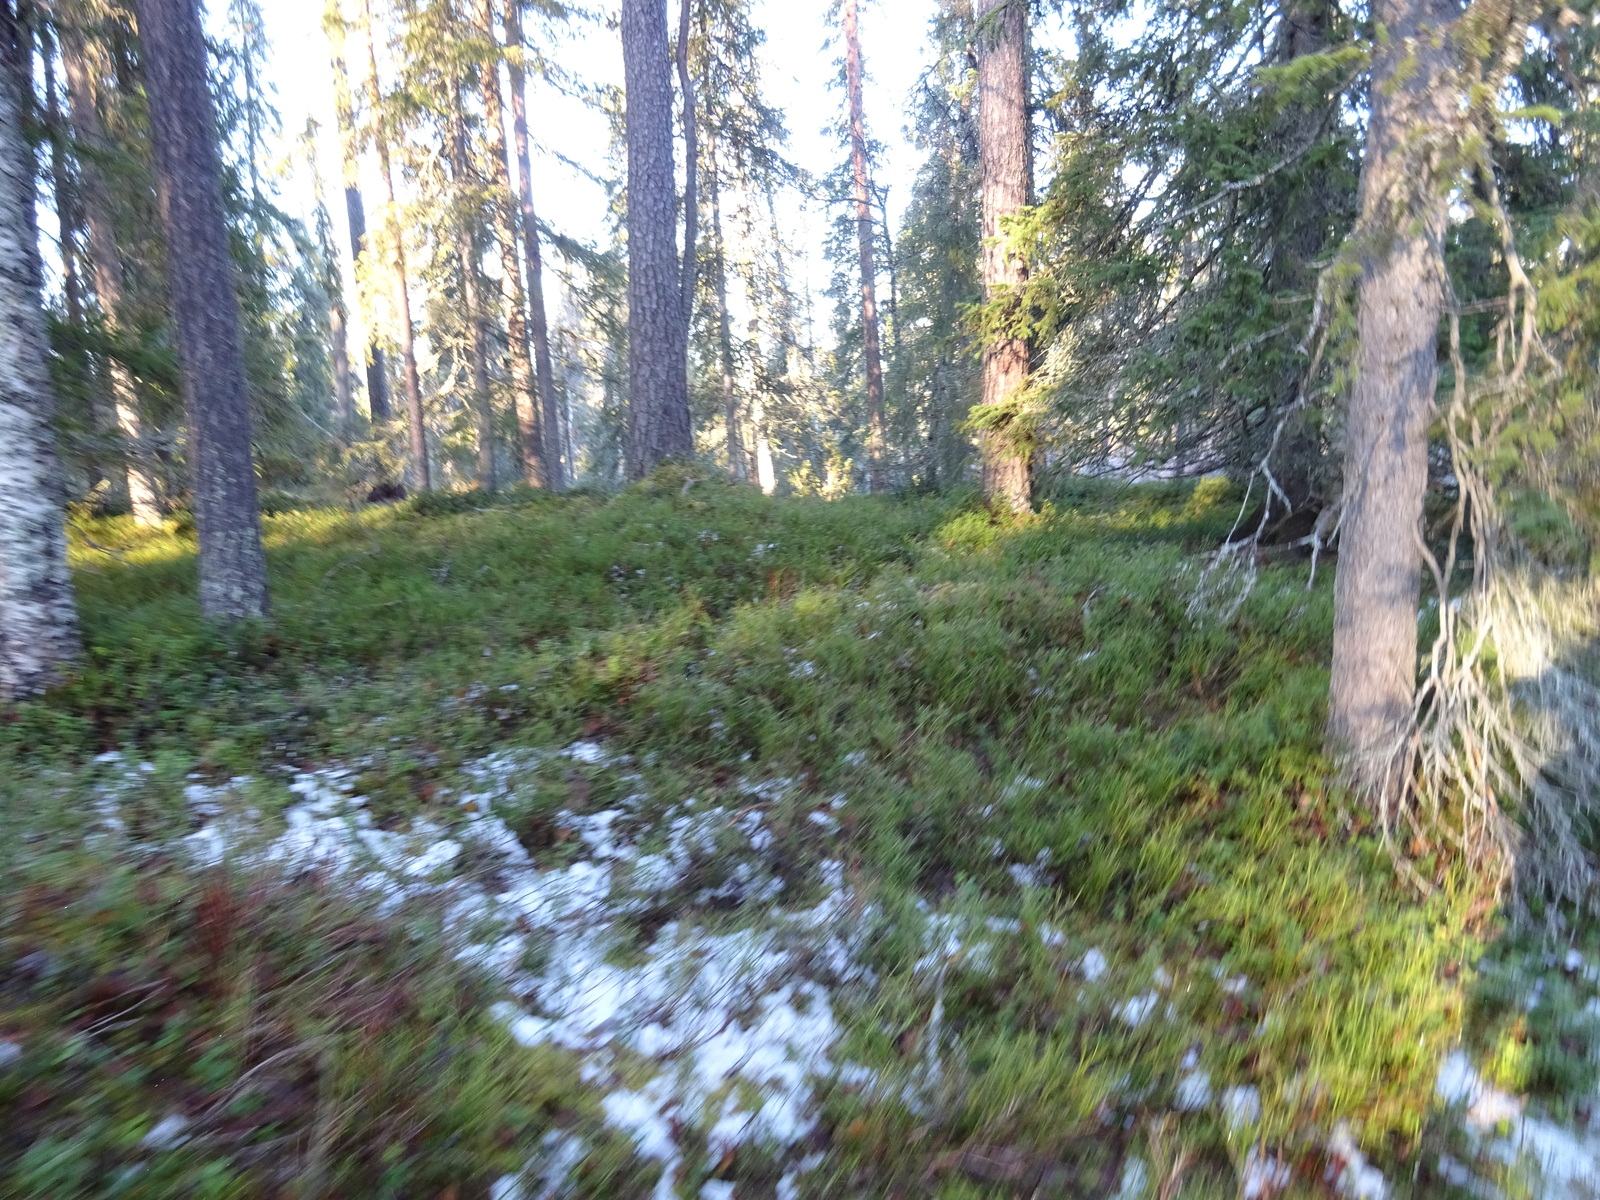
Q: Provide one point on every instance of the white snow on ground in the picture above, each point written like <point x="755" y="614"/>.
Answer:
<point x="721" y="1034"/>
<point x="1568" y="1160"/>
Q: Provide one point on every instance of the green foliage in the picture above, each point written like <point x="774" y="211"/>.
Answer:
<point x="987" y="694"/>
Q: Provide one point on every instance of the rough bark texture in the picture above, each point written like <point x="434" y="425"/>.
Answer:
<point x="1386" y="453"/>
<point x="551" y="443"/>
<point x="658" y="378"/>
<point x="38" y="619"/>
<point x="355" y="210"/>
<point x="205" y="310"/>
<point x="405" y="333"/>
<point x="1005" y="164"/>
<point x="877" y="478"/>
<point x="106" y="259"/>
<point x="525" y="398"/>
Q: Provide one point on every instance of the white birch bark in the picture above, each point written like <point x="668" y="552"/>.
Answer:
<point x="38" y="619"/>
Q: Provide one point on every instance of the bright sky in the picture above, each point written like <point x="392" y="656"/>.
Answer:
<point x="797" y="69"/>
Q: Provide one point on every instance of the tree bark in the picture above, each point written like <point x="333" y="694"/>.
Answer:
<point x="1386" y="454"/>
<point x="205" y="309"/>
<point x="355" y="210"/>
<point x="523" y="383"/>
<point x="877" y="479"/>
<point x="659" y="425"/>
<point x="1006" y="167"/>
<point x="551" y="442"/>
<point x="405" y="332"/>
<point x="106" y="260"/>
<point x="38" y="618"/>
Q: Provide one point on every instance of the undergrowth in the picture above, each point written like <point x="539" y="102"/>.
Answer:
<point x="1035" y="738"/>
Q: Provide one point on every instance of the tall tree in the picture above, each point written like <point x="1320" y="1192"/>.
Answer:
<point x="38" y="618"/>
<point x="205" y="309"/>
<point x="549" y="414"/>
<point x="659" y="425"/>
<point x="1413" y="107"/>
<point x="737" y="464"/>
<point x="690" y="265"/>
<point x="1006" y="167"/>
<point x="405" y="330"/>
<point x="877" y="477"/>
<point x="526" y="389"/>
<point x="333" y="24"/>
<point x="465" y="218"/>
<point x="106" y="258"/>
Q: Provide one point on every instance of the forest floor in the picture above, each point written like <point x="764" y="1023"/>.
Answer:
<point x="695" y="843"/>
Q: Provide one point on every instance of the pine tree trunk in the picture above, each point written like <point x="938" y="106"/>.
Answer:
<point x="538" y="326"/>
<point x="1386" y="452"/>
<point x="738" y="466"/>
<point x="877" y="479"/>
<point x="106" y="257"/>
<point x="659" y="425"/>
<point x="38" y="618"/>
<point x="1005" y="162"/>
<point x="530" y="437"/>
<point x="690" y="265"/>
<point x="355" y="210"/>
<point x="205" y="309"/>
<point x="406" y="334"/>
<point x="344" y="407"/>
<point x="472" y="300"/>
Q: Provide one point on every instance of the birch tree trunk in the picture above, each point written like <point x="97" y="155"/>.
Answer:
<point x="658" y="379"/>
<point x="525" y="395"/>
<point x="106" y="260"/>
<point x="1413" y="107"/>
<point x="205" y="310"/>
<point x="405" y="331"/>
<point x="551" y="441"/>
<point x="877" y="479"/>
<point x="355" y="209"/>
<point x="38" y="618"/>
<point x="1006" y="165"/>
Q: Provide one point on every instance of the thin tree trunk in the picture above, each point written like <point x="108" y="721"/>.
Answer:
<point x="106" y="260"/>
<point x="1005" y="162"/>
<point x="38" y="618"/>
<point x="406" y="334"/>
<point x="690" y="264"/>
<point x="1299" y="219"/>
<point x="472" y="300"/>
<point x="205" y="308"/>
<point x="1386" y="453"/>
<point x="333" y="24"/>
<point x="66" y="209"/>
<point x="738" y="466"/>
<point x="877" y="480"/>
<point x="344" y="406"/>
<point x="659" y="426"/>
<point x="550" y="444"/>
<point x="69" y="221"/>
<point x="530" y="440"/>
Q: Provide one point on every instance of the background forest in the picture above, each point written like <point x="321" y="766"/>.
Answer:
<point x="1068" y="670"/>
